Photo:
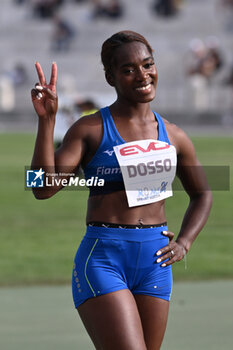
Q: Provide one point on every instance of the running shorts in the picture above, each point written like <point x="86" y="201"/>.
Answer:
<point x="111" y="259"/>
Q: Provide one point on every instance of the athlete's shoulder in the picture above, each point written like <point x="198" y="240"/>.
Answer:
<point x="86" y="123"/>
<point x="85" y="128"/>
<point x="89" y="120"/>
<point x="169" y="126"/>
<point x="178" y="137"/>
<point x="173" y="129"/>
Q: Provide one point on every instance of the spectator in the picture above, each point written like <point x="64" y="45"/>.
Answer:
<point x="166" y="8"/>
<point x="9" y="81"/>
<point x="204" y="60"/>
<point x="196" y="53"/>
<point x="110" y="9"/>
<point x="7" y="94"/>
<point x="18" y="75"/>
<point x="19" y="2"/>
<point x="63" y="34"/>
<point x="45" y="8"/>
<point x="64" y="121"/>
<point x="85" y="107"/>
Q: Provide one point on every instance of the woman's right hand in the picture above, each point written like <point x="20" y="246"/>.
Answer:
<point x="44" y="96"/>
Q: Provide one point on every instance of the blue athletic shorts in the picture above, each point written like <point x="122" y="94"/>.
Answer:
<point x="111" y="259"/>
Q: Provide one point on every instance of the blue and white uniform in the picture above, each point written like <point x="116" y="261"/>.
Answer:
<point x="104" y="164"/>
<point x="114" y="257"/>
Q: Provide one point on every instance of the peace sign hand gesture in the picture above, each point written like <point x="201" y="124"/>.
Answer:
<point x="44" y="96"/>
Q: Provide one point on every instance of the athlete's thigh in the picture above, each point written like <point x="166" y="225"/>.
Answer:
<point x="154" y="314"/>
<point x="113" y="322"/>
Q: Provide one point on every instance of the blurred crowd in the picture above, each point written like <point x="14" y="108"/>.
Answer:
<point x="204" y="58"/>
<point x="205" y="66"/>
<point x="167" y="8"/>
<point x="206" y="63"/>
<point x="64" y="31"/>
<point x="101" y="8"/>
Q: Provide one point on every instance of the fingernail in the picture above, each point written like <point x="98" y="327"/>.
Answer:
<point x="159" y="252"/>
<point x="38" y="87"/>
<point x="164" y="232"/>
<point x="163" y="265"/>
<point x="158" y="260"/>
<point x="40" y="95"/>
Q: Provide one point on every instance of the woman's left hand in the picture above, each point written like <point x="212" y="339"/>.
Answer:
<point x="173" y="251"/>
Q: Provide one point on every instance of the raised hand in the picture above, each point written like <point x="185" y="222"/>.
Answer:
<point x="44" y="96"/>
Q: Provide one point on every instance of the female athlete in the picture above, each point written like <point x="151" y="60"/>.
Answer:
<point x="122" y="278"/>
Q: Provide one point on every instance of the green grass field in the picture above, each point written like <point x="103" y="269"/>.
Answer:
<point x="39" y="238"/>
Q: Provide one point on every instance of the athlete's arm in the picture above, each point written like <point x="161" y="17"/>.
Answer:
<point x="69" y="156"/>
<point x="193" y="179"/>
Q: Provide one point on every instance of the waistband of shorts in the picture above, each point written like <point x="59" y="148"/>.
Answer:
<point x="111" y="225"/>
<point x="140" y="234"/>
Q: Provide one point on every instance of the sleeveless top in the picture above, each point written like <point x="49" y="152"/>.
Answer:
<point x="104" y="164"/>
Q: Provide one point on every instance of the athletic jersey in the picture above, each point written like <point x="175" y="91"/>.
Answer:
<point x="104" y="164"/>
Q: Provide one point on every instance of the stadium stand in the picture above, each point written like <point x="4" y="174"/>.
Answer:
<point x="25" y="39"/>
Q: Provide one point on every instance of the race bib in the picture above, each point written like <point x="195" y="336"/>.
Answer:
<point x="148" y="168"/>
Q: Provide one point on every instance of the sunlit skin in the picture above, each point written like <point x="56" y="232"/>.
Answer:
<point x="127" y="322"/>
<point x="134" y="75"/>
